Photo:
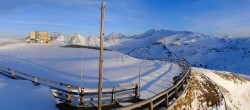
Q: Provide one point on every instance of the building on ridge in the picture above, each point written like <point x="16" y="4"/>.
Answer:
<point x="41" y="37"/>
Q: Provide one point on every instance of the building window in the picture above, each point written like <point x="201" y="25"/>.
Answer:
<point x="41" y="36"/>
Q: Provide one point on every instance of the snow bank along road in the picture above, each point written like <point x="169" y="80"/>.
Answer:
<point x="63" y="65"/>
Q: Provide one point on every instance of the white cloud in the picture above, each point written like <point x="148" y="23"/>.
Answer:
<point x="27" y="23"/>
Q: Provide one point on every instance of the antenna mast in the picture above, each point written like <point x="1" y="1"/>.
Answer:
<point x="101" y="57"/>
<point x="81" y="67"/>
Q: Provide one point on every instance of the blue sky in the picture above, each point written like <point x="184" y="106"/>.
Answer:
<point x="212" y="17"/>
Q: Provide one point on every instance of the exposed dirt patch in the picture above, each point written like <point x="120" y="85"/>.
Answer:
<point x="231" y="77"/>
<point x="82" y="46"/>
<point x="202" y="94"/>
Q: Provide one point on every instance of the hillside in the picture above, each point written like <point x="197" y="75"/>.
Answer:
<point x="236" y="90"/>
<point x="201" y="94"/>
<point x="230" y="54"/>
<point x="215" y="90"/>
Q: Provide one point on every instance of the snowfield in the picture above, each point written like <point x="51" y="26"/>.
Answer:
<point x="63" y="65"/>
<point x="22" y="95"/>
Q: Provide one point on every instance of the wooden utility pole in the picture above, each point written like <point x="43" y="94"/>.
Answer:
<point x="101" y="58"/>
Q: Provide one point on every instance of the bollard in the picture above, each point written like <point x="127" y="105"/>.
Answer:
<point x="12" y="74"/>
<point x="69" y="94"/>
<point x="82" y="97"/>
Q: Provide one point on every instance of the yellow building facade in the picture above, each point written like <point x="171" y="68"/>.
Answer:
<point x="40" y="37"/>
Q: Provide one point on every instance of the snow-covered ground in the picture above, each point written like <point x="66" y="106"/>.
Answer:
<point x="235" y="89"/>
<point x="206" y="89"/>
<point x="63" y="65"/>
<point x="22" y="95"/>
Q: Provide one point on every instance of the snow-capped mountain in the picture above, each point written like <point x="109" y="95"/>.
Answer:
<point x="76" y="39"/>
<point x="152" y="52"/>
<point x="57" y="37"/>
<point x="114" y="35"/>
<point x="219" y="53"/>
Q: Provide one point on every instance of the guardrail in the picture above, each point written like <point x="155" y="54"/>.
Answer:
<point x="74" y="95"/>
<point x="167" y="97"/>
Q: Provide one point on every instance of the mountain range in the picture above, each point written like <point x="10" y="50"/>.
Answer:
<point x="217" y="53"/>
